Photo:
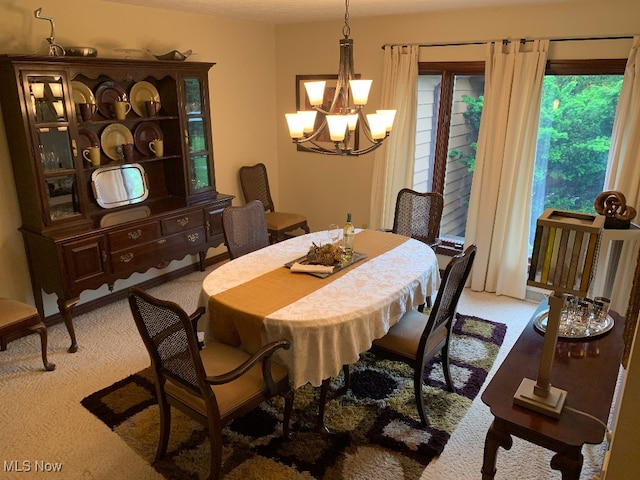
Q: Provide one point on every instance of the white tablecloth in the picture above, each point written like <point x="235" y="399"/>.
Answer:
<point x="332" y="326"/>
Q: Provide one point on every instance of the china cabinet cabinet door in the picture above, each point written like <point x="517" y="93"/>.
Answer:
<point x="197" y="135"/>
<point x="55" y="158"/>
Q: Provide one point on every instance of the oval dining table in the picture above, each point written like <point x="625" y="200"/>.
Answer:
<point x="256" y="298"/>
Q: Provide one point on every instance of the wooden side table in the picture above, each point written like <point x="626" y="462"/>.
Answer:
<point x="588" y="370"/>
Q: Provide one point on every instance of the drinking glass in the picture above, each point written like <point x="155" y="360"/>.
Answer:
<point x="599" y="314"/>
<point x="334" y="233"/>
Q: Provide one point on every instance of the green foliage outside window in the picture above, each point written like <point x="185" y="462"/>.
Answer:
<point x="574" y="136"/>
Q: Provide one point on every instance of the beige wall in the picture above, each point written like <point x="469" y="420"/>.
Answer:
<point x="242" y="84"/>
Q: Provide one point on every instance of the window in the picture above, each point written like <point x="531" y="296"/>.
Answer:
<point x="578" y="107"/>
<point x="576" y="119"/>
<point x="449" y="109"/>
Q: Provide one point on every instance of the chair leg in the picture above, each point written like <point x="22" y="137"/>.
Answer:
<point x="417" y="387"/>
<point x="322" y="402"/>
<point x="444" y="358"/>
<point x="288" y="408"/>
<point x="215" y="439"/>
<point x="347" y="377"/>
<point x="165" y="426"/>
<point x="42" y="331"/>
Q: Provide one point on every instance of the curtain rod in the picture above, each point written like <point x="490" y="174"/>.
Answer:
<point x="507" y="40"/>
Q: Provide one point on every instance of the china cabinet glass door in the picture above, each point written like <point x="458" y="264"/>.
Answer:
<point x="47" y="102"/>
<point x="199" y="150"/>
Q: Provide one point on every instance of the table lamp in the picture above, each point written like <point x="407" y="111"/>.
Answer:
<point x="564" y="253"/>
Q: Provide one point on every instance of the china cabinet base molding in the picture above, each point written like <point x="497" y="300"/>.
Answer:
<point x="114" y="169"/>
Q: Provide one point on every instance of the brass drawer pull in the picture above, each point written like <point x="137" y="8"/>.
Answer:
<point x="193" y="237"/>
<point x="162" y="241"/>
<point x="182" y="221"/>
<point x="126" y="258"/>
<point x="134" y="234"/>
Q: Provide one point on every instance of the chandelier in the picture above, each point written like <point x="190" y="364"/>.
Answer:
<point x="344" y="113"/>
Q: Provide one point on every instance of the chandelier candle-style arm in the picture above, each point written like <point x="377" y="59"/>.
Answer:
<point x="344" y="112"/>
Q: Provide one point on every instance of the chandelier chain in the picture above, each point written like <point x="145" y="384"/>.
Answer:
<point x="346" y="30"/>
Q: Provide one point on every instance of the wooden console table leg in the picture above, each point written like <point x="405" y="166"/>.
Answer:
<point x="495" y="438"/>
<point x="65" y="308"/>
<point x="568" y="463"/>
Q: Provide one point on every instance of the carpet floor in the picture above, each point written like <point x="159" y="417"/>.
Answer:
<point x="43" y="420"/>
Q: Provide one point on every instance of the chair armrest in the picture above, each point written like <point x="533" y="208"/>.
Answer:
<point x="263" y="355"/>
<point x="193" y="318"/>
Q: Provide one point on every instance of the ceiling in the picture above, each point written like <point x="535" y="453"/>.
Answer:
<point x="300" y="11"/>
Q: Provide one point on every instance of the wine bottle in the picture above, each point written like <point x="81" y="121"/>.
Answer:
<point x="348" y="233"/>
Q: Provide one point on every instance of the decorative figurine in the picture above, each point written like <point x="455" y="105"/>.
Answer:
<point x="613" y="205"/>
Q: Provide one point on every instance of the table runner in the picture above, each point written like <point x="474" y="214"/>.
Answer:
<point x="237" y="314"/>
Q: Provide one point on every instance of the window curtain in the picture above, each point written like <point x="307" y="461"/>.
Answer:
<point x="499" y="206"/>
<point x="393" y="162"/>
<point x="623" y="175"/>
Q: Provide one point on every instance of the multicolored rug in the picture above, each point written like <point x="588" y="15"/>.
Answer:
<point x="375" y="428"/>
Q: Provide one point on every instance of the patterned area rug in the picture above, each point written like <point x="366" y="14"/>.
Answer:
<point x="375" y="428"/>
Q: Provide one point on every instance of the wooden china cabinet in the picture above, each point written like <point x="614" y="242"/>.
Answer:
<point x="90" y="223"/>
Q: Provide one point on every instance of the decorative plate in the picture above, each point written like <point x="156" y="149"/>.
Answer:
<point x="113" y="136"/>
<point x="106" y="94"/>
<point x="140" y="93"/>
<point x="145" y="133"/>
<point x="87" y="138"/>
<point x="81" y="93"/>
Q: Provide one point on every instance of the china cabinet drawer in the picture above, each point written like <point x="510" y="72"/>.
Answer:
<point x="135" y="235"/>
<point x="183" y="222"/>
<point x="156" y="253"/>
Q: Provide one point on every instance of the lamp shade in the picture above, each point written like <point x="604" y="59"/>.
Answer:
<point x="564" y="251"/>
<point x="337" y="127"/>
<point x="295" y="122"/>
<point x="315" y="92"/>
<point x="377" y="125"/>
<point x="360" y="91"/>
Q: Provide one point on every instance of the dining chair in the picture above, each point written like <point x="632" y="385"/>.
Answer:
<point x="215" y="384"/>
<point x="16" y="316"/>
<point x="244" y="228"/>
<point x="418" y="215"/>
<point x="255" y="186"/>
<point x="417" y="338"/>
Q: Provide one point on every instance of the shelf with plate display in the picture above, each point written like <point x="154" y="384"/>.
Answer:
<point x="72" y="120"/>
